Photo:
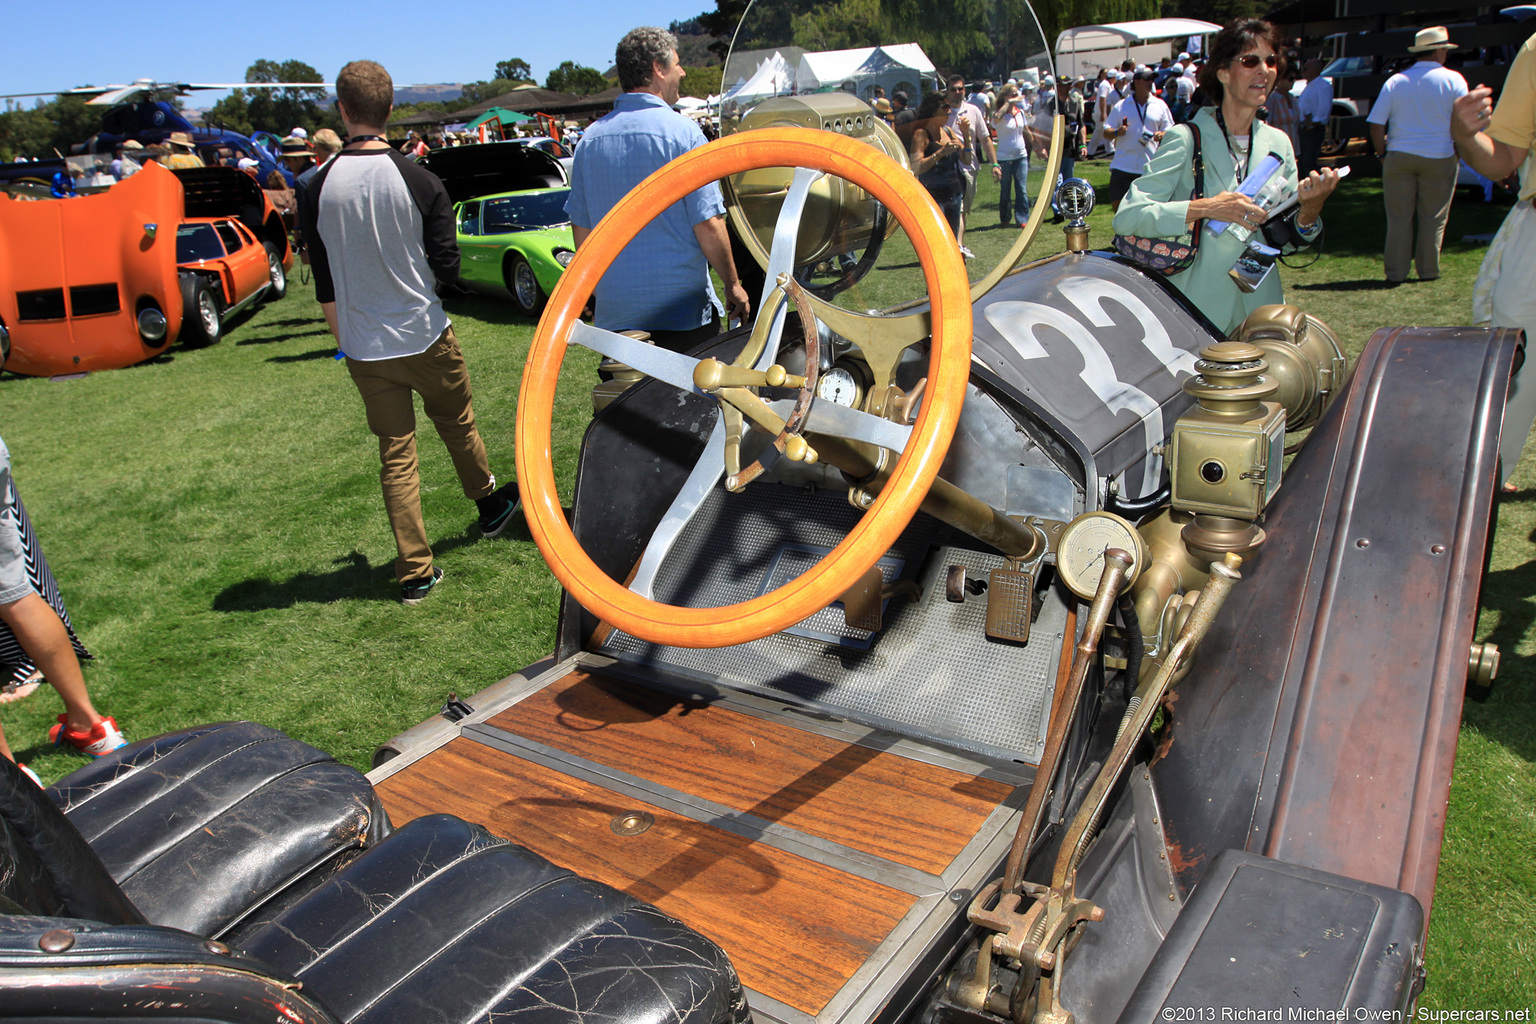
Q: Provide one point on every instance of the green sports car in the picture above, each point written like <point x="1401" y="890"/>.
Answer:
<point x="517" y="243"/>
<point x="509" y="211"/>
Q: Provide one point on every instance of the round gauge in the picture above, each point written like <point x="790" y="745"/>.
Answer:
<point x="838" y="385"/>
<point x="1080" y="550"/>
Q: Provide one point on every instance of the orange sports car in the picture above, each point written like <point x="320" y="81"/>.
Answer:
<point x="103" y="281"/>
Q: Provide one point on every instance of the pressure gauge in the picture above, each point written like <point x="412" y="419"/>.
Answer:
<point x="1080" y="550"/>
<point x="838" y="385"/>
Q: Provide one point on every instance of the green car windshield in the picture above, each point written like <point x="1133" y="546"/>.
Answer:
<point x="518" y="213"/>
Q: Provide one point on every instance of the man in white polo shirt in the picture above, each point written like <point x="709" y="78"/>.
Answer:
<point x="1411" y="132"/>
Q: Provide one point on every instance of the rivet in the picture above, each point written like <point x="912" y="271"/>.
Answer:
<point x="1437" y="549"/>
<point x="60" y="940"/>
<point x="1363" y="542"/>
<point x="959" y="895"/>
<point x="631" y="823"/>
<point x="1171" y="897"/>
<point x="214" y="946"/>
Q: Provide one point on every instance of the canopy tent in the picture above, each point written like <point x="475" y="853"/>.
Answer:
<point x="903" y="66"/>
<point x="773" y="77"/>
<point x="501" y="113"/>
<point x="899" y="66"/>
<point x="1083" y="50"/>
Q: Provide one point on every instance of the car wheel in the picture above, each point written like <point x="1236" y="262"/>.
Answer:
<point x="524" y="286"/>
<point x="278" y="275"/>
<point x="202" y="318"/>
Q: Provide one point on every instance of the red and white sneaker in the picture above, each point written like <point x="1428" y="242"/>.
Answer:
<point x="103" y="738"/>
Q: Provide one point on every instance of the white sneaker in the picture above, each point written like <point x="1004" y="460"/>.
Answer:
<point x="967" y="253"/>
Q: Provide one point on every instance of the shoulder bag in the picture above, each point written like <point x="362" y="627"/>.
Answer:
<point x="1168" y="256"/>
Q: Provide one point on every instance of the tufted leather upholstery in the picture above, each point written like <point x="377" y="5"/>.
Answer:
<point x="445" y="923"/>
<point x="200" y="826"/>
<point x="440" y="923"/>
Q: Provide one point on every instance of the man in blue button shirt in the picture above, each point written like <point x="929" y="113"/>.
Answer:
<point x="660" y="282"/>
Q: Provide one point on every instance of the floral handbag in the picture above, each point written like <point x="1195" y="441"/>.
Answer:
<point x="1168" y="256"/>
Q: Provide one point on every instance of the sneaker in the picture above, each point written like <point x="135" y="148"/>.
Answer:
<point x="103" y="738"/>
<point x="496" y="510"/>
<point x="29" y="773"/>
<point x="414" y="591"/>
<point x="967" y="253"/>
<point x="12" y="690"/>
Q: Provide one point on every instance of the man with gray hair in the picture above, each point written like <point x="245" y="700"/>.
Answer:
<point x="660" y="282"/>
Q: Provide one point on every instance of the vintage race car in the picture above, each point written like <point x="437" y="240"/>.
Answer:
<point x="978" y="659"/>
<point x="108" y="280"/>
<point x="509" y="208"/>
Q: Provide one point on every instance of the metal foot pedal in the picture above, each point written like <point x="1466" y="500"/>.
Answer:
<point x="864" y="602"/>
<point x="1010" y="598"/>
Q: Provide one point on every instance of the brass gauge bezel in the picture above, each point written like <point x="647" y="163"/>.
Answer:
<point x="1081" y="546"/>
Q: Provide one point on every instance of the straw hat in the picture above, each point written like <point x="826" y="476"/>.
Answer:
<point x="182" y="139"/>
<point x="296" y="145"/>
<point x="1433" y="38"/>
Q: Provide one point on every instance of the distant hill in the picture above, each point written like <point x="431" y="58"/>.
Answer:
<point x="427" y="93"/>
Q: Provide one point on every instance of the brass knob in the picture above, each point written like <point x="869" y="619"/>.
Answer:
<point x="1483" y="664"/>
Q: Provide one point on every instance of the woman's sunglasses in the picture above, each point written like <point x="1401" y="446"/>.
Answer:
<point x="1251" y="60"/>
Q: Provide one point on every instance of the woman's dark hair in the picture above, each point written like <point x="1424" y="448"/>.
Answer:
<point x="1229" y="44"/>
<point x="930" y="106"/>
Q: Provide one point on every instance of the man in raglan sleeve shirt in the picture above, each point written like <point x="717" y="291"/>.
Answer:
<point x="381" y="234"/>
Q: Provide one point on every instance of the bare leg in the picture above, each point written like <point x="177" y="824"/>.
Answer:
<point x="42" y="635"/>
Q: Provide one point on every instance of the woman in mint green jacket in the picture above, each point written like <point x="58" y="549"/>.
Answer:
<point x="1239" y="77"/>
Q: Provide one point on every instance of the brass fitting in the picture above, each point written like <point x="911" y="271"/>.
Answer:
<point x="1306" y="361"/>
<point x="1483" y="664"/>
<point x="1226" y="453"/>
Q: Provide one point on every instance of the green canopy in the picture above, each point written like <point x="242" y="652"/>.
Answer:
<point x="502" y="113"/>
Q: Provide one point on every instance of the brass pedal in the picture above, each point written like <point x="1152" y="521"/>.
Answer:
<point x="1010" y="600"/>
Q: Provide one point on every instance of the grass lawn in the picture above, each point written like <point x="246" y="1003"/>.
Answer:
<point x="214" y="520"/>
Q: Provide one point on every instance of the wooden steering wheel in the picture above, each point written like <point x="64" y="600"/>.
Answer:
<point x="948" y="371"/>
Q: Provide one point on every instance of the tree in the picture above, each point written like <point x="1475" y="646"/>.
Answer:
<point x="49" y="126"/>
<point x="576" y="78"/>
<point x="278" y="111"/>
<point x="516" y="70"/>
<point x="701" y="82"/>
<point x="479" y="92"/>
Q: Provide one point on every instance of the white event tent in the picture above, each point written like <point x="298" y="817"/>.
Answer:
<point x="1083" y="50"/>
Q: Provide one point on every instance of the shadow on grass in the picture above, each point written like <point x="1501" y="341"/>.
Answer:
<point x="353" y="579"/>
<point x="1373" y="284"/>
<point x="270" y="338"/>
<point x="304" y="357"/>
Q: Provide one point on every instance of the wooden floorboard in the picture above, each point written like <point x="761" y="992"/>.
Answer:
<point x="795" y="929"/>
<point x="879" y="802"/>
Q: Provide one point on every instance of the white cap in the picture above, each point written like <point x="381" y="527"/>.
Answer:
<point x="1013" y="81"/>
<point x="1047" y="80"/>
<point x="1183" y="57"/>
<point x="1177" y="69"/>
<point x="300" y="132"/>
<point x="247" y="164"/>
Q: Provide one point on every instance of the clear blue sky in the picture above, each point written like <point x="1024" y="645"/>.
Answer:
<point x="181" y="40"/>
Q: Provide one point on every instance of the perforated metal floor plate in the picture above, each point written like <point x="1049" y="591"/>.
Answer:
<point x="931" y="673"/>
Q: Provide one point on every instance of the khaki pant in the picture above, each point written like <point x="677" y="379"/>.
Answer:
<point x="1416" y="186"/>
<point x="441" y="378"/>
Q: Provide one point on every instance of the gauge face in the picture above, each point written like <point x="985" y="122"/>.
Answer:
<point x="838" y="385"/>
<point x="1080" y="551"/>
